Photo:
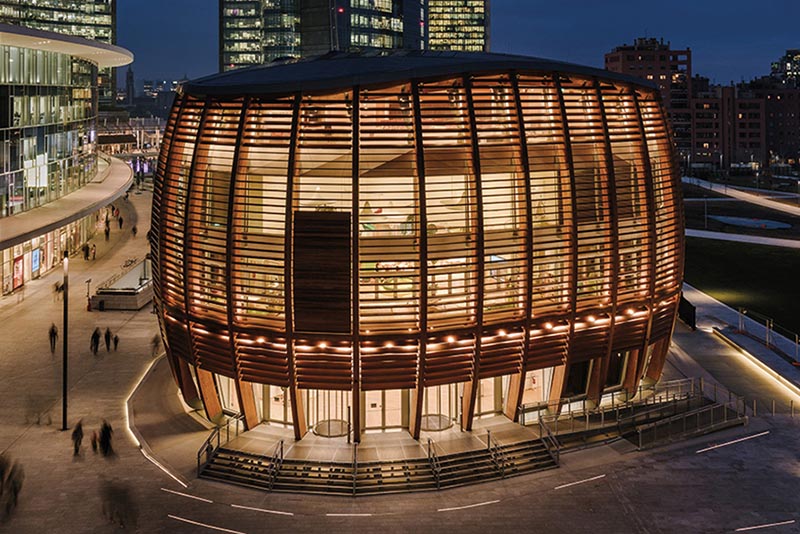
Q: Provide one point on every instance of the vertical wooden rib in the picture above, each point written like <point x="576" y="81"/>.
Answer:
<point x="560" y="374"/>
<point x="637" y="367"/>
<point x="205" y="379"/>
<point x="516" y="389"/>
<point x="418" y="394"/>
<point x="597" y="379"/>
<point x="244" y="390"/>
<point x="298" y="414"/>
<point x="356" y="344"/>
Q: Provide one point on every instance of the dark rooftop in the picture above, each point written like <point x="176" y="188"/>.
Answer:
<point x="341" y="70"/>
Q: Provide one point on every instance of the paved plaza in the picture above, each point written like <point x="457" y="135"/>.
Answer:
<point x="606" y="489"/>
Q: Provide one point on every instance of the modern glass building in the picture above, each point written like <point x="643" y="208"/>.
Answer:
<point x="408" y="240"/>
<point x="458" y="25"/>
<point x="256" y="32"/>
<point x="48" y="111"/>
<point x="90" y="19"/>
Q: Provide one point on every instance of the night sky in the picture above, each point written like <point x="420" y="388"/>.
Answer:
<point x="730" y="40"/>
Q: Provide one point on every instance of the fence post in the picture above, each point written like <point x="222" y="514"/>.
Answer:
<point x="715" y="392"/>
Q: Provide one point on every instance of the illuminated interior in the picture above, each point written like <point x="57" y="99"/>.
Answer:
<point x="402" y="254"/>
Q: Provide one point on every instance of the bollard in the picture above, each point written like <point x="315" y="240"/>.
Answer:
<point x="587" y="420"/>
<point x="755" y="413"/>
<point x="791" y="408"/>
<point x="773" y="407"/>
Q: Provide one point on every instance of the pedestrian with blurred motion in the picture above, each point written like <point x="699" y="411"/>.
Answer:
<point x="107" y="338"/>
<point x="119" y="220"/>
<point x="105" y="439"/>
<point x="116" y="342"/>
<point x="77" y="438"/>
<point x="53" y="337"/>
<point x="95" y="439"/>
<point x="107" y="231"/>
<point x="95" y="344"/>
<point x="134" y="230"/>
<point x="94" y="251"/>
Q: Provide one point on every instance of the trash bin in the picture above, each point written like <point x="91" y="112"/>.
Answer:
<point x="101" y="305"/>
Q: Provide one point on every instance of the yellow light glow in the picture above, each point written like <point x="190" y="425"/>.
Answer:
<point x="451" y="339"/>
<point x="322" y="345"/>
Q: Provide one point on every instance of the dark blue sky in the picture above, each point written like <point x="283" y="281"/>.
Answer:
<point x="730" y="39"/>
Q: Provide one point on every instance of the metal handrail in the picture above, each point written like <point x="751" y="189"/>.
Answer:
<point x="667" y="422"/>
<point x="275" y="463"/>
<point x="209" y="447"/>
<point x="433" y="460"/>
<point x="355" y="466"/>
<point x="550" y="442"/>
<point x="498" y="457"/>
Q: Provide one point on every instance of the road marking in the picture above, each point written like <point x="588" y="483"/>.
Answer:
<point x="199" y="524"/>
<point x="349" y="515"/>
<point x="732" y="442"/>
<point x="467" y="506"/>
<point x="186" y="495"/>
<point x="276" y="512"/>
<point x="598" y="477"/>
<point x="790" y="522"/>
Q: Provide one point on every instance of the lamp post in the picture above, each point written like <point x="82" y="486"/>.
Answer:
<point x="64" y="337"/>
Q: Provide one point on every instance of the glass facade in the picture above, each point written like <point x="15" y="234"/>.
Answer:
<point x="90" y="19"/>
<point x="458" y="25"/>
<point x="48" y="110"/>
<point x="448" y="243"/>
<point x="253" y="32"/>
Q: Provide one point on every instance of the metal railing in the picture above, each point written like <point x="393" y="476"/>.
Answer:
<point x="355" y="466"/>
<point x="615" y="402"/>
<point x="433" y="460"/>
<point x="550" y="442"/>
<point x="215" y="440"/>
<point x="789" y="346"/>
<point x="701" y="419"/>
<point x="275" y="463"/>
<point x="495" y="452"/>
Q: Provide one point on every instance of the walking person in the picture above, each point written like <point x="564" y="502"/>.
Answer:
<point x="53" y="337"/>
<point x="119" y="220"/>
<point x="107" y="231"/>
<point x="116" y="342"/>
<point x="134" y="230"/>
<point x="107" y="337"/>
<point x="94" y="251"/>
<point x="105" y="439"/>
<point x="95" y="440"/>
<point x="77" y="438"/>
<point x="95" y="344"/>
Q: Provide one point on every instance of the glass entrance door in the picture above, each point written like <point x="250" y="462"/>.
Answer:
<point x="328" y="412"/>
<point x="384" y="409"/>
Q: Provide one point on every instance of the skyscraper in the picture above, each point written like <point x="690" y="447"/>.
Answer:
<point x="257" y="31"/>
<point x="90" y="19"/>
<point x="458" y="25"/>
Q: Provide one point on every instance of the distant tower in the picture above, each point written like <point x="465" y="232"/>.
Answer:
<point x="130" y="90"/>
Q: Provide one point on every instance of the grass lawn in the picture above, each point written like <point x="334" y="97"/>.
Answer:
<point x="761" y="279"/>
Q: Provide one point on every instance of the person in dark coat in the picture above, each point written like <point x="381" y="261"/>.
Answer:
<point x="107" y="337"/>
<point x="95" y="344"/>
<point x="53" y="337"/>
<point x="116" y="342"/>
<point x="77" y="438"/>
<point x="105" y="439"/>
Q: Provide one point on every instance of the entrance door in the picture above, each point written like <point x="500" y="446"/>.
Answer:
<point x="383" y="409"/>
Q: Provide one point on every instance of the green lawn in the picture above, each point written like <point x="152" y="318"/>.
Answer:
<point x="762" y="279"/>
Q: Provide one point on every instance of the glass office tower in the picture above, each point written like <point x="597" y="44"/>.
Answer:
<point x="458" y="25"/>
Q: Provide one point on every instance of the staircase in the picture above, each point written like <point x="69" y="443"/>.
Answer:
<point x="375" y="478"/>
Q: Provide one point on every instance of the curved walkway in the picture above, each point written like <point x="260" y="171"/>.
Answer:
<point x="743" y="238"/>
<point x="743" y="195"/>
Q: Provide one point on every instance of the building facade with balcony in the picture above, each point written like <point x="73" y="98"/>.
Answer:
<point x="48" y="158"/>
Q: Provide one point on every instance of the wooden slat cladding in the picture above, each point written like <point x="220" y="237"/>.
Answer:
<point x="493" y="223"/>
<point x="321" y="269"/>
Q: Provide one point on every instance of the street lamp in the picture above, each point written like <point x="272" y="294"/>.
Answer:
<point x="64" y="361"/>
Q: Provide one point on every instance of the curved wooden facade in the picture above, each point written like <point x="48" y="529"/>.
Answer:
<point x="417" y="232"/>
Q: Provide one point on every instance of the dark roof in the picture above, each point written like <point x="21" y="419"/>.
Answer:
<point x="340" y="70"/>
<point x="113" y="139"/>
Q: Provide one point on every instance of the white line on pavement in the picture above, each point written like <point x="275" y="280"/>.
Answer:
<point x="732" y="442"/>
<point x="349" y="515"/>
<point x="276" y="512"/>
<point x="199" y="524"/>
<point x="467" y="506"/>
<point x="790" y="522"/>
<point x="186" y="495"/>
<point x="579" y="482"/>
